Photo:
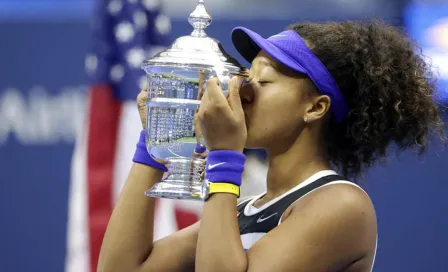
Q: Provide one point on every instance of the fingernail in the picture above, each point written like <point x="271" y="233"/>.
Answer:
<point x="240" y="80"/>
<point x="200" y="149"/>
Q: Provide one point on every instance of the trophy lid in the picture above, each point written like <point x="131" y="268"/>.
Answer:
<point x="197" y="50"/>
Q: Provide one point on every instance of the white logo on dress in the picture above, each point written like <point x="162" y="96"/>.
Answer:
<point x="261" y="219"/>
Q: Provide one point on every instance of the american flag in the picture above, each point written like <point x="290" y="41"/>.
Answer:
<point x="125" y="32"/>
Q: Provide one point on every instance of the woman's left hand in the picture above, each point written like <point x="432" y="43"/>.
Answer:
<point x="222" y="120"/>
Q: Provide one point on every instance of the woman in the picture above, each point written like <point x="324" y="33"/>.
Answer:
<point x="318" y="97"/>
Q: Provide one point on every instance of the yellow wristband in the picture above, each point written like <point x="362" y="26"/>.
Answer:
<point x="224" y="188"/>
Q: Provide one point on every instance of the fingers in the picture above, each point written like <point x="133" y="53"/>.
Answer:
<point x="142" y="95"/>
<point x="197" y="127"/>
<point x="214" y="93"/>
<point x="200" y="155"/>
<point x="141" y="105"/>
<point x="234" y="95"/>
<point x="214" y="102"/>
<point x="201" y="85"/>
<point x="245" y="72"/>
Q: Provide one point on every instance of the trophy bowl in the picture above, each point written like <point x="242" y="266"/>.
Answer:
<point x="176" y="79"/>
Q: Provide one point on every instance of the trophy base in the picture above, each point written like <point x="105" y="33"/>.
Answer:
<point x="184" y="180"/>
<point x="175" y="191"/>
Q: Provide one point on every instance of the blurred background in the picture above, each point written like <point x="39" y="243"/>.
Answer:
<point x="69" y="73"/>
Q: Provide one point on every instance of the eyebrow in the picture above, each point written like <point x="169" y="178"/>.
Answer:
<point x="265" y="62"/>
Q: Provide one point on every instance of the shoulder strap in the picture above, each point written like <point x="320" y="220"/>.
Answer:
<point x="294" y="196"/>
<point x="249" y="224"/>
<point x="316" y="184"/>
<point x="289" y="199"/>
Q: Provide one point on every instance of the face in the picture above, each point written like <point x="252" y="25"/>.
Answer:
<point x="273" y="103"/>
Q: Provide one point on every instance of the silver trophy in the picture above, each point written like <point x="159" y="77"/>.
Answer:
<point x="176" y="78"/>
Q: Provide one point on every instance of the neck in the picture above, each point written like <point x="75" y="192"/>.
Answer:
<point x="287" y="169"/>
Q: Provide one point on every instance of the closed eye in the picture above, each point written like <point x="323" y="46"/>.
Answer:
<point x="262" y="83"/>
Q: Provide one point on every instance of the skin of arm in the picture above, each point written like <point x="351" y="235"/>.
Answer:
<point x="128" y="242"/>
<point x="320" y="234"/>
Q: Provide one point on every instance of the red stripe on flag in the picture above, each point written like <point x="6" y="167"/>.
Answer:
<point x="185" y="218"/>
<point x="101" y="147"/>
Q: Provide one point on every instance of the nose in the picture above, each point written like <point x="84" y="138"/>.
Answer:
<point x="247" y="92"/>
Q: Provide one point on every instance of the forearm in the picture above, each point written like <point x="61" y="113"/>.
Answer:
<point x="129" y="236"/>
<point x="219" y="246"/>
<point x="174" y="253"/>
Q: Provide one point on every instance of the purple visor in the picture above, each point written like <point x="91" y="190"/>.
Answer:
<point x="289" y="49"/>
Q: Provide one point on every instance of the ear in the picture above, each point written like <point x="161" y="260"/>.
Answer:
<point x="317" y="107"/>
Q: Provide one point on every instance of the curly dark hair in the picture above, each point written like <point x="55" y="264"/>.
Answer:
<point x="387" y="84"/>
